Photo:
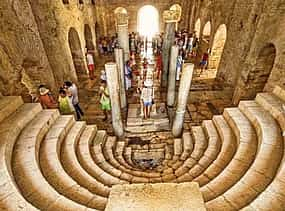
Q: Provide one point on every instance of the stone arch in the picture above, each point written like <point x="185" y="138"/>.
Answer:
<point x="218" y="47"/>
<point x="207" y="31"/>
<point x="258" y="77"/>
<point x="76" y="52"/>
<point x="197" y="28"/>
<point x="148" y="25"/>
<point x="88" y="38"/>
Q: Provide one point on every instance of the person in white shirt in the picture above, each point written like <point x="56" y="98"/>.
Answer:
<point x="147" y="97"/>
<point x="90" y="64"/>
<point x="73" y="92"/>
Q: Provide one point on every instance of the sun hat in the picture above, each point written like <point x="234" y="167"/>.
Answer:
<point x="43" y="91"/>
<point x="148" y="83"/>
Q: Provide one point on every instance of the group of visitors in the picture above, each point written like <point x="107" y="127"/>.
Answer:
<point x="106" y="45"/>
<point x="67" y="103"/>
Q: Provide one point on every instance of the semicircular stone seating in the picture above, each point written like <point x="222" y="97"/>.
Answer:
<point x="51" y="162"/>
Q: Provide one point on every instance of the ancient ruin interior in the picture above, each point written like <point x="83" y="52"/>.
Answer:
<point x="214" y="136"/>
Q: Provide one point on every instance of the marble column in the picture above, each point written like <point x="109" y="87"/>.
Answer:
<point x="113" y="86"/>
<point x="170" y="18"/>
<point x="119" y="57"/>
<point x="168" y="41"/>
<point x="172" y="76"/>
<point x="184" y="89"/>
<point x="123" y="34"/>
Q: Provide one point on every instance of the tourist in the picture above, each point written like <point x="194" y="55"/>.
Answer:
<point x="204" y="61"/>
<point x="105" y="99"/>
<point x="103" y="76"/>
<point x="72" y="92"/>
<point x="146" y="97"/>
<point x="90" y="64"/>
<point x="159" y="65"/>
<point x="179" y="66"/>
<point x="65" y="103"/>
<point x="105" y="45"/>
<point x="128" y="75"/>
<point x="46" y="99"/>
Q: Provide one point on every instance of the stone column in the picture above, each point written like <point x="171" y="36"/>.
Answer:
<point x="170" y="18"/>
<point x="113" y="86"/>
<point x="172" y="76"/>
<point x="119" y="57"/>
<point x="123" y="34"/>
<point x="184" y="89"/>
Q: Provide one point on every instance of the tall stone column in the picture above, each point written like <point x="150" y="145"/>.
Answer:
<point x="113" y="86"/>
<point x="170" y="18"/>
<point x="172" y="76"/>
<point x="184" y="89"/>
<point x="119" y="57"/>
<point x="123" y="34"/>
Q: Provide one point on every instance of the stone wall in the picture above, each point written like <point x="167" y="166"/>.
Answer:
<point x="23" y="62"/>
<point x="132" y="7"/>
<point x="251" y="26"/>
<point x="55" y="20"/>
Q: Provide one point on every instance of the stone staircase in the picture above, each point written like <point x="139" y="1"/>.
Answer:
<point x="51" y="162"/>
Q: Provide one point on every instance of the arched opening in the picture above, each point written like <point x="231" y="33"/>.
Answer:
<point x="198" y="28"/>
<point x="257" y="78"/>
<point x="218" y="48"/>
<point x="148" y="21"/>
<point x="88" y="38"/>
<point x="76" y="52"/>
<point x="207" y="31"/>
<point x="177" y="8"/>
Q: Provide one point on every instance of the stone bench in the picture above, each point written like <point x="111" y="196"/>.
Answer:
<point x="242" y="160"/>
<point x="8" y="105"/>
<point x="228" y="149"/>
<point x="84" y="153"/>
<point x="26" y="168"/>
<point x="211" y="151"/>
<point x="10" y="129"/>
<point x="70" y="162"/>
<point x="54" y="172"/>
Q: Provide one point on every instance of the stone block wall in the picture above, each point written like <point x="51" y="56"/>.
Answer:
<point x="251" y="26"/>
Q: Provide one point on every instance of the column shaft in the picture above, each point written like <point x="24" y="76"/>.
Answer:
<point x="172" y="76"/>
<point x="123" y="38"/>
<point x="168" y="41"/>
<point x="119" y="57"/>
<point x="184" y="89"/>
<point x="113" y="86"/>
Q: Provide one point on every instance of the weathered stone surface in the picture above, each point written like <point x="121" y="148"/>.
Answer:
<point x="157" y="197"/>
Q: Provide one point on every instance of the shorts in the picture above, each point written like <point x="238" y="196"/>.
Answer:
<point x="147" y="103"/>
<point x="106" y="106"/>
<point x="91" y="67"/>
<point x="203" y="62"/>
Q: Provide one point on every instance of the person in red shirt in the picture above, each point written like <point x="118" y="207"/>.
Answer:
<point x="46" y="99"/>
<point x="158" y="65"/>
<point x="204" y="61"/>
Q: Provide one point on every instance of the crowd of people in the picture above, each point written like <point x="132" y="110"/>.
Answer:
<point x="67" y="102"/>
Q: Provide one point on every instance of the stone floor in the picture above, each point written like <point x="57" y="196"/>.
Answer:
<point x="156" y="197"/>
<point x="207" y="97"/>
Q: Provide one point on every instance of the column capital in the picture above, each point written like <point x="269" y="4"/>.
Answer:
<point x="171" y="16"/>
<point x="122" y="19"/>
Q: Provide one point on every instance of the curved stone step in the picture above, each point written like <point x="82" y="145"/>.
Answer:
<point x="10" y="129"/>
<point x="70" y="162"/>
<point x="54" y="172"/>
<point x="228" y="149"/>
<point x="26" y="168"/>
<point x="9" y="105"/>
<point x="241" y="162"/>
<point x="84" y="155"/>
<point x="212" y="151"/>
